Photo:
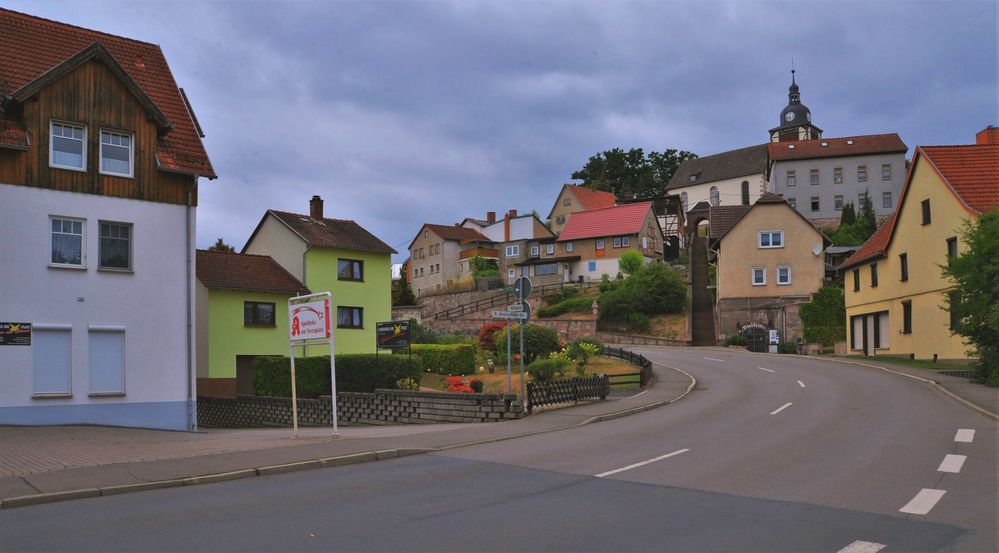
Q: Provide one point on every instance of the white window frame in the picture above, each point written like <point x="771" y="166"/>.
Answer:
<point x="625" y="241"/>
<point x="535" y="250"/>
<point x="617" y="241"/>
<point x="131" y="153"/>
<point x="52" y="163"/>
<point x="83" y="243"/>
<point x="511" y="273"/>
<point x="550" y="249"/>
<point x="753" y="276"/>
<point x="769" y="233"/>
<point x="512" y="251"/>
<point x="568" y="246"/>
<point x="791" y="178"/>
<point x="838" y="202"/>
<point x="601" y="245"/>
<point x="784" y="283"/>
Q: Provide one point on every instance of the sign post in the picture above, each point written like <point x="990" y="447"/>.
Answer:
<point x="522" y="286"/>
<point x="521" y="311"/>
<point x="310" y="324"/>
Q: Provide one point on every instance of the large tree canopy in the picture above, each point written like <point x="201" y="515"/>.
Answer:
<point x="632" y="174"/>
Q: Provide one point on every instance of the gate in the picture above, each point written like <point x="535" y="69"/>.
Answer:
<point x="757" y="339"/>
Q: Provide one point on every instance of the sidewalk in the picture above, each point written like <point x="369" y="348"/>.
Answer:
<point x="43" y="464"/>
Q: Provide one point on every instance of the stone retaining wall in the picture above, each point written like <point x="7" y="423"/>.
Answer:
<point x="638" y="340"/>
<point x="381" y="407"/>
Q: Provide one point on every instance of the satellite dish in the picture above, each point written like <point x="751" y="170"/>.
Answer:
<point x="817" y="249"/>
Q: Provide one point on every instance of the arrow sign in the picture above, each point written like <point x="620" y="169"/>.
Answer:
<point x="509" y="315"/>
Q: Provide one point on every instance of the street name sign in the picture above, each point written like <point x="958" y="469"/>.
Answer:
<point x="515" y="307"/>
<point x="520" y="315"/>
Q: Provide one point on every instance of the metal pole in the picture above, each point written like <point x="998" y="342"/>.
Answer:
<point x="294" y="394"/>
<point x="523" y="392"/>
<point x="509" y="376"/>
<point x="336" y="431"/>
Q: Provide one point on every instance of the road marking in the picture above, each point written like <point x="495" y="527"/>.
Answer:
<point x="713" y="359"/>
<point x="802" y="384"/>
<point x="781" y="408"/>
<point x="861" y="546"/>
<point x="966" y="435"/>
<point x="924" y="501"/>
<point x="952" y="463"/>
<point x="766" y="369"/>
<point x="643" y="463"/>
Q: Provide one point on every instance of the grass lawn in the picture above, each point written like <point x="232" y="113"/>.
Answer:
<point x="497" y="382"/>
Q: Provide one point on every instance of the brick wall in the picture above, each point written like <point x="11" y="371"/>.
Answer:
<point x="775" y="313"/>
<point x="381" y="408"/>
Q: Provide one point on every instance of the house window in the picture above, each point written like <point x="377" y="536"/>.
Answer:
<point x="349" y="317"/>
<point x="838" y="175"/>
<point x="591" y="266"/>
<point x="856" y="280"/>
<point x="862" y="173"/>
<point x="511" y="273"/>
<point x="525" y="270"/>
<point x="567" y="201"/>
<point x="535" y="250"/>
<point x="256" y="313"/>
<point x="626" y="241"/>
<point x="874" y="275"/>
<point x="926" y="211"/>
<point x="783" y="276"/>
<point x="886" y="171"/>
<point x="815" y="203"/>
<point x="771" y="239"/>
<point x="838" y="202"/>
<point x="683" y="201"/>
<point x="759" y="276"/>
<point x="861" y="198"/>
<point x="617" y="242"/>
<point x="600" y="244"/>
<point x="791" y="179"/>
<point x="715" y="198"/>
<point x="560" y="220"/>
<point x="745" y="192"/>
<point x="107" y="361"/>
<point x="813" y="177"/>
<point x="512" y="251"/>
<point x="951" y="247"/>
<point x="693" y="178"/>
<point x="550" y="249"/>
<point x="116" y="154"/>
<point x="115" y="246"/>
<point x="51" y="352"/>
<point x="546" y="269"/>
<point x="67" y="242"/>
<point x="886" y="200"/>
<point x="568" y="246"/>
<point x="791" y="202"/>
<point x="903" y="263"/>
<point x="68" y="146"/>
<point x="907" y="317"/>
<point x="350" y="269"/>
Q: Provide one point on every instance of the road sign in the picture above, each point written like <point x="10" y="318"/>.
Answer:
<point x="520" y="315"/>
<point x="515" y="307"/>
<point x="526" y="309"/>
<point x="522" y="287"/>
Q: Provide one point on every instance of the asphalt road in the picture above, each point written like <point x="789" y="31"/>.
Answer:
<point x="769" y="453"/>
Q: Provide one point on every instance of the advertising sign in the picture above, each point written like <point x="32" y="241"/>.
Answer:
<point x="393" y="334"/>
<point x="309" y="320"/>
<point x="15" y="334"/>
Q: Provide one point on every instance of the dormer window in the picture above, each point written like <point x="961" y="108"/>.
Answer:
<point x="116" y="154"/>
<point x="693" y="178"/>
<point x="68" y="146"/>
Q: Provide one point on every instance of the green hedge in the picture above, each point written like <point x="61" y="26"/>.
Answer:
<point x="547" y="369"/>
<point x="354" y="373"/>
<point x="581" y="304"/>
<point x="451" y="359"/>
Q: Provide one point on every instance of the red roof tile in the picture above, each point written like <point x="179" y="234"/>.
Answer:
<point x="329" y="233"/>
<point x="972" y="171"/>
<point x="592" y="199"/>
<point x="837" y="147"/>
<point x="31" y="46"/>
<point x="240" y="271"/>
<point x="610" y="221"/>
<point x="875" y="245"/>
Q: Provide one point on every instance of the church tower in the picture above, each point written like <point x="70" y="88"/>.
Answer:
<point x="795" y="119"/>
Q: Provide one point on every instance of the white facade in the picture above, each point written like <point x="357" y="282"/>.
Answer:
<point x="108" y="347"/>
<point x="729" y="191"/>
<point x="521" y="228"/>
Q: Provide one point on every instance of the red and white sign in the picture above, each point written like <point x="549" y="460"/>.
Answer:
<point x="309" y="320"/>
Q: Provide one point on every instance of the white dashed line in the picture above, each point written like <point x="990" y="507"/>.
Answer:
<point x="643" y="463"/>
<point x="766" y="369"/>
<point x="802" y="384"/>
<point x="924" y="502"/>
<point x="966" y="435"/>
<point x="713" y="359"/>
<point x="952" y="463"/>
<point x="781" y="408"/>
<point x="861" y="546"/>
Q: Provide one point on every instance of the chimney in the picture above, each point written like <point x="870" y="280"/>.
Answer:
<point x="988" y="135"/>
<point x="506" y="227"/>
<point x="316" y="208"/>
<point x="490" y="217"/>
<point x="513" y="213"/>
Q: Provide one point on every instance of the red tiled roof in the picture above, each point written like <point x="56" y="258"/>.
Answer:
<point x="329" y="233"/>
<point x="241" y="271"/>
<point x="31" y="46"/>
<point x="837" y="147"/>
<point x="972" y="171"/>
<point x="610" y="221"/>
<point x="452" y="232"/>
<point x="875" y="245"/>
<point x="592" y="199"/>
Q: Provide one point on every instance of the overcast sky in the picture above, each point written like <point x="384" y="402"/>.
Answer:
<point x="403" y="113"/>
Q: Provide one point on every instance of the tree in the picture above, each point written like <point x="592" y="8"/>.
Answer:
<point x="849" y="215"/>
<point x="824" y="318"/>
<point x="631" y="261"/>
<point x="853" y="234"/>
<point x="221" y="246"/>
<point x="482" y="267"/>
<point x="974" y="300"/>
<point x="866" y="213"/>
<point x="631" y="174"/>
<point x="402" y="293"/>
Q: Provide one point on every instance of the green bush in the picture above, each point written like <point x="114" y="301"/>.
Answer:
<point x="539" y="342"/>
<point x="456" y="338"/>
<point x="572" y="305"/>
<point x="354" y="373"/>
<point x="546" y="369"/>
<point x="824" y="318"/>
<point x="654" y="289"/>
<point x="418" y="334"/>
<point x="562" y="295"/>
<point x="606" y="284"/>
<point x="735" y="340"/>
<point x="787" y="347"/>
<point x="450" y="359"/>
<point x="631" y="262"/>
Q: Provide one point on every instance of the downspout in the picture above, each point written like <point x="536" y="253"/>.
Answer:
<point x="192" y="421"/>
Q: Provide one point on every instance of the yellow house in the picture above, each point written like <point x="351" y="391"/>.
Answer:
<point x="573" y="199"/>
<point x="895" y="291"/>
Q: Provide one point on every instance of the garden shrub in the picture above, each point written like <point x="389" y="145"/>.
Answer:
<point x="546" y="369"/>
<point x="407" y="384"/>
<point x="419" y="334"/>
<point x="735" y="340"/>
<point x="572" y="305"/>
<point x="487" y="335"/>
<point x="476" y="385"/>
<point x="655" y="288"/>
<point x="562" y="295"/>
<point x="446" y="358"/>
<point x="787" y="347"/>
<point x="824" y="318"/>
<point x="539" y="342"/>
<point x="354" y="373"/>
<point x="455" y="338"/>
<point x="631" y="262"/>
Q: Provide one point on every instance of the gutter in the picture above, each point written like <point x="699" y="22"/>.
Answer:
<point x="192" y="420"/>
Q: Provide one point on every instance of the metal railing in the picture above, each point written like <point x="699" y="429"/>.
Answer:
<point x="505" y="297"/>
